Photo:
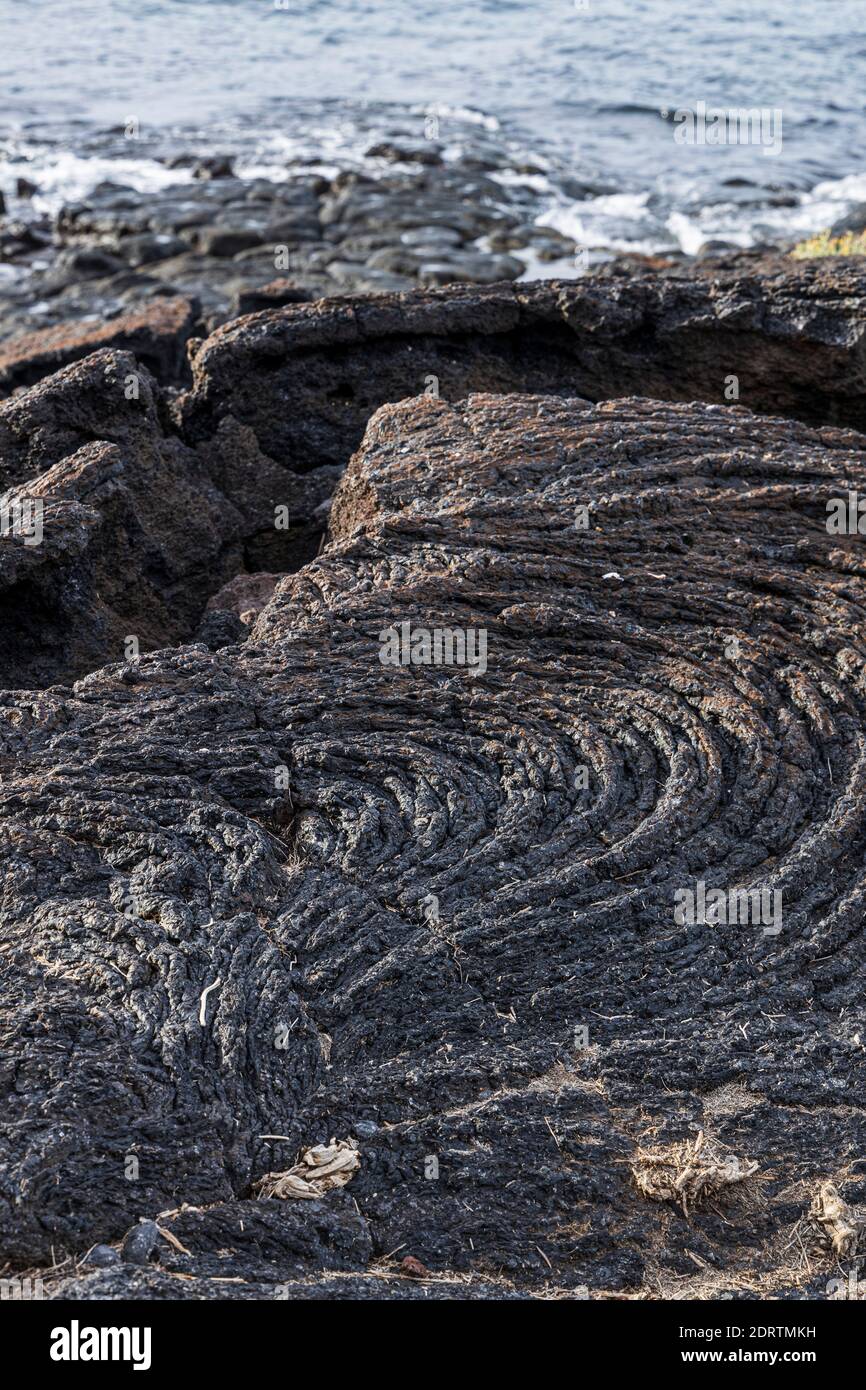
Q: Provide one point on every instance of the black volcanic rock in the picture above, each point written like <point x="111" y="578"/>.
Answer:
<point x="280" y="399"/>
<point x="307" y="378"/>
<point x="139" y="1243"/>
<point x="106" y="397"/>
<point x="133" y="528"/>
<point x="271" y="296"/>
<point x="854" y="221"/>
<point x="137" y="529"/>
<point x="282" y="892"/>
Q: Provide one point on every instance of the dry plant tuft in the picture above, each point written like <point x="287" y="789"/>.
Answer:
<point x="838" y="1222"/>
<point x="319" y="1170"/>
<point x="689" y="1172"/>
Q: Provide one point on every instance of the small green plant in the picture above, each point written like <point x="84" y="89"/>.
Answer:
<point x="848" y="244"/>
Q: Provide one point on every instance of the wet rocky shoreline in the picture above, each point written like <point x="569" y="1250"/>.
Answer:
<point x="461" y="207"/>
<point x="221" y="239"/>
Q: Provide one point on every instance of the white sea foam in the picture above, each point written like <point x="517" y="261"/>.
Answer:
<point x="461" y="113"/>
<point x="628" y="221"/>
<point x="676" y="212"/>
<point x="510" y="178"/>
<point x="65" y="177"/>
<point x="620" y="221"/>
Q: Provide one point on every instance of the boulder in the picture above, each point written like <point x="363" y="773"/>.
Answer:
<point x="853" y="221"/>
<point x="133" y="529"/>
<point x="157" y="333"/>
<point x="273" y="295"/>
<point x="306" y="378"/>
<point x="136" y="528"/>
<point x="246" y="594"/>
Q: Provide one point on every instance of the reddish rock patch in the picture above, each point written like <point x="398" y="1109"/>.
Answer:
<point x="157" y="334"/>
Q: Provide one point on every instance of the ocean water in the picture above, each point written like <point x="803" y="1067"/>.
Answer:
<point x="582" y="91"/>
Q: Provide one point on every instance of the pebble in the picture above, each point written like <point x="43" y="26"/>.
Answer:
<point x="101" y="1256"/>
<point x="139" y="1242"/>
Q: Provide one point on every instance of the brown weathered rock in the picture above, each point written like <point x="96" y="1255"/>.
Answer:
<point x="85" y="402"/>
<point x="306" y="379"/>
<point x="246" y="594"/>
<point x="257" y="486"/>
<point x="157" y="334"/>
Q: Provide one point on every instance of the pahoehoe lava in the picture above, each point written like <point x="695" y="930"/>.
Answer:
<point x="208" y="850"/>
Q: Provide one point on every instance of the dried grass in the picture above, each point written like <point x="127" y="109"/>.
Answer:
<point x="319" y="1170"/>
<point x="688" y="1173"/>
<point x="839" y="1223"/>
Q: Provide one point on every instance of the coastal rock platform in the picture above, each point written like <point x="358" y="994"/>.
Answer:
<point x="260" y="897"/>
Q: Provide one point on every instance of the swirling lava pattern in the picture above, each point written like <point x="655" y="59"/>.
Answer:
<point x="467" y="869"/>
